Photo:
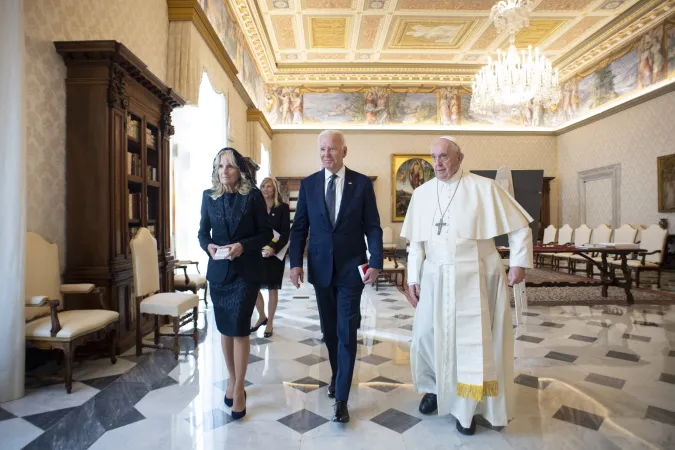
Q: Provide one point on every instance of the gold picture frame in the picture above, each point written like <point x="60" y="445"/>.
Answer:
<point x="408" y="171"/>
<point x="665" y="169"/>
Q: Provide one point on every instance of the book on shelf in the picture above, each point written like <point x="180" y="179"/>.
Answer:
<point x="133" y="127"/>
<point x="134" y="206"/>
<point x="150" y="139"/>
<point x="134" y="164"/>
<point x="152" y="173"/>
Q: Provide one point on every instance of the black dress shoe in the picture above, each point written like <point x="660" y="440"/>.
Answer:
<point x="341" y="412"/>
<point x="255" y="328"/>
<point x="467" y="431"/>
<point x="331" y="389"/>
<point x="429" y="404"/>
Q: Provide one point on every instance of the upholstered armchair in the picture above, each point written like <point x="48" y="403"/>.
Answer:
<point x="48" y="324"/>
<point x="653" y="239"/>
<point x="182" y="281"/>
<point x="582" y="236"/>
<point x="550" y="233"/>
<point x="601" y="234"/>
<point x="181" y="307"/>
<point x="565" y="234"/>
<point x="388" y="244"/>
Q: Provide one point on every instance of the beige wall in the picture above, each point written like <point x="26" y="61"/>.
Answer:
<point x="140" y="25"/>
<point x="295" y="154"/>
<point x="633" y="138"/>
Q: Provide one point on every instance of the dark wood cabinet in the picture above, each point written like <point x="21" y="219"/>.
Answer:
<point x="118" y="117"/>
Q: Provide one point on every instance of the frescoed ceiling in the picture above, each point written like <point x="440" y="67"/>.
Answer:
<point x="426" y="41"/>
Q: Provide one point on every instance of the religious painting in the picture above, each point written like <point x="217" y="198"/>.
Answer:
<point x="334" y="107"/>
<point x="450" y="109"/>
<point x="670" y="47"/>
<point x="666" y="182"/>
<point x="651" y="59"/>
<point x="413" y="109"/>
<point x="216" y="12"/>
<point x="283" y="105"/>
<point x="407" y="172"/>
<point x="377" y="106"/>
<point x="610" y="82"/>
<point x="249" y="78"/>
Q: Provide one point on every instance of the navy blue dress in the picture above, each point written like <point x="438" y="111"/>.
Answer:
<point x="234" y="285"/>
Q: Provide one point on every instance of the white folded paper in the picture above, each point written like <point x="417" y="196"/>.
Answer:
<point x="222" y="253"/>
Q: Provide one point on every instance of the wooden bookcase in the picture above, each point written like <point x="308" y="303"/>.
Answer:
<point x="118" y="126"/>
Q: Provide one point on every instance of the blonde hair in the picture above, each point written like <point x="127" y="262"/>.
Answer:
<point x="244" y="185"/>
<point x="275" y="185"/>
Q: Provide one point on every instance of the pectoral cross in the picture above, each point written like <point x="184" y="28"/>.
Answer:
<point x="440" y="226"/>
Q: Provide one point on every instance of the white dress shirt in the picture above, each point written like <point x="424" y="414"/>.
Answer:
<point x="339" y="187"/>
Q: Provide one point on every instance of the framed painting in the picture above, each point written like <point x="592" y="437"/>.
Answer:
<point x="407" y="172"/>
<point x="665" y="168"/>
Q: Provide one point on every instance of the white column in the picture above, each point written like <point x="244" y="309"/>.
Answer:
<point x="12" y="201"/>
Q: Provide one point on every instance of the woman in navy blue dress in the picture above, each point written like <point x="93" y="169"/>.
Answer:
<point x="234" y="217"/>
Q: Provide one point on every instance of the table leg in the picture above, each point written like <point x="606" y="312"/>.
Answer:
<point x="628" y="279"/>
<point x="604" y="275"/>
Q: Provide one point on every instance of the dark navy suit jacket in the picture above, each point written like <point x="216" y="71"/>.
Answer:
<point x="342" y="249"/>
<point x="248" y="225"/>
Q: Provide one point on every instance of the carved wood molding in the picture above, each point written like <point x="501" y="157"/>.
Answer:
<point x="191" y="11"/>
<point x="255" y="115"/>
<point x="117" y="92"/>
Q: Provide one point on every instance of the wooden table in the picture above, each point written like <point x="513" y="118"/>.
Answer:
<point x="607" y="275"/>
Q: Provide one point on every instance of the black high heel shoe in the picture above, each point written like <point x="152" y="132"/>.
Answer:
<point x="229" y="402"/>
<point x="254" y="329"/>
<point x="236" y="415"/>
<point x="269" y="334"/>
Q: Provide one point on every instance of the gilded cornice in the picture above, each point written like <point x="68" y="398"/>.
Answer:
<point x="633" y="22"/>
<point x="255" y="115"/>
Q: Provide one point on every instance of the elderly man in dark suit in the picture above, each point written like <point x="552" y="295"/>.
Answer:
<point x="337" y="208"/>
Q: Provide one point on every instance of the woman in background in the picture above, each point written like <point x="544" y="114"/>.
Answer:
<point x="234" y="219"/>
<point x="280" y="219"/>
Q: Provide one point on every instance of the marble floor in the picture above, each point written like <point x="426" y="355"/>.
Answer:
<point x="586" y="378"/>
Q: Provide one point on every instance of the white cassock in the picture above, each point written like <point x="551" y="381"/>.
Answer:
<point x="462" y="347"/>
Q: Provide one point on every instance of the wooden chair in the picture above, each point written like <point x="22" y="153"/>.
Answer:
<point x="190" y="282"/>
<point x="565" y="234"/>
<point x="388" y="245"/>
<point x="625" y="234"/>
<point x="181" y="307"/>
<point x="550" y="233"/>
<point x="654" y="241"/>
<point x="582" y="236"/>
<point x="48" y="324"/>
<point x="601" y="233"/>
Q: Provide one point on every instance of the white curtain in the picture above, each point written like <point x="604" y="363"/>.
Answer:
<point x="200" y="132"/>
<point x="12" y="202"/>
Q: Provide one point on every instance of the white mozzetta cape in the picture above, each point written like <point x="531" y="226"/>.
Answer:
<point x="491" y="211"/>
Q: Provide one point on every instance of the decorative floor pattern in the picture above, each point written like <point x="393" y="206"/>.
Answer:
<point x="586" y="377"/>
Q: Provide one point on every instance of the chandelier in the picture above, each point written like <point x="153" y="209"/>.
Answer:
<point x="514" y="79"/>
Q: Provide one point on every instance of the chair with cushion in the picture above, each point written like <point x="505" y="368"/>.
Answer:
<point x="48" y="324"/>
<point x="550" y="233"/>
<point x="565" y="234"/>
<point x="181" y="307"/>
<point x="388" y="245"/>
<point x="582" y="236"/>
<point x="192" y="282"/>
<point x="601" y="233"/>
<point x="653" y="240"/>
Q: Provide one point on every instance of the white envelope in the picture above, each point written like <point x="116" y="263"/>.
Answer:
<point x="222" y="253"/>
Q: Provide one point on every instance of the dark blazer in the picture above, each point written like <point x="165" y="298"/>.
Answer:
<point x="249" y="226"/>
<point x="280" y="221"/>
<point x="341" y="249"/>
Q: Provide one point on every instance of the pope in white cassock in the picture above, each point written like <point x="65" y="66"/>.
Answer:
<point x="462" y="347"/>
